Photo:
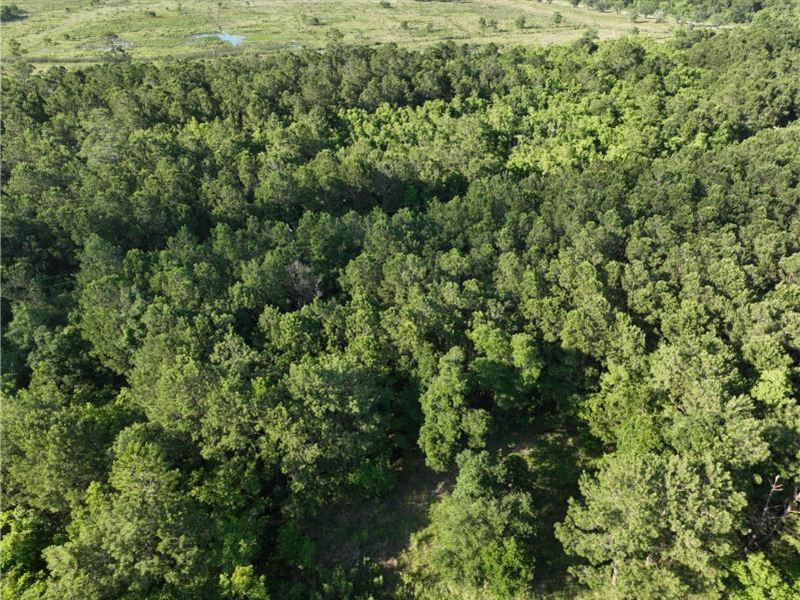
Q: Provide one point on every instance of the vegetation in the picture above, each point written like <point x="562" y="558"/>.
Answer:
<point x="737" y="11"/>
<point x="11" y="12"/>
<point x="457" y="322"/>
<point x="164" y="28"/>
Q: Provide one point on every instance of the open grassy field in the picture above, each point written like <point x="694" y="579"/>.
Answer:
<point x="63" y="30"/>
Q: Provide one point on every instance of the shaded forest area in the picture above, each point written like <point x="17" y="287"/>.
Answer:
<point x="453" y="323"/>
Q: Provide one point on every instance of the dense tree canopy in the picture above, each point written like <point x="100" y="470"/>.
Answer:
<point x="245" y="295"/>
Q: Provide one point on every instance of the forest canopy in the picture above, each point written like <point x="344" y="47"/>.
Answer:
<point x="248" y="301"/>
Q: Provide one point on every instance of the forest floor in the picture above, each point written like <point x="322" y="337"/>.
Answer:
<point x="382" y="528"/>
<point x="78" y="30"/>
<point x="392" y="530"/>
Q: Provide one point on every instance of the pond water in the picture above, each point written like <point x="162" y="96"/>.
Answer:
<point x="233" y="40"/>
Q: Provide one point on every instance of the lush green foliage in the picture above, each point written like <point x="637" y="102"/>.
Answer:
<point x="240" y="297"/>
<point x="737" y="11"/>
<point x="482" y="536"/>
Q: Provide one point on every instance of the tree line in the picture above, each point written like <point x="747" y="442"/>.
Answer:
<point x="720" y="11"/>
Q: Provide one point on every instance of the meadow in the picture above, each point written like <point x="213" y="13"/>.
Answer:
<point x="66" y="31"/>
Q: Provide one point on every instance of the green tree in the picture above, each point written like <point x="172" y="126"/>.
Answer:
<point x="482" y="535"/>
<point x="449" y="423"/>
<point x="638" y="529"/>
<point x="331" y="430"/>
<point x="142" y="534"/>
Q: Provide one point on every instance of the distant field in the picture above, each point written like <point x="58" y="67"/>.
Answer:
<point x="61" y="30"/>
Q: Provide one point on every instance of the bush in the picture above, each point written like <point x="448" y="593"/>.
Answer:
<point x="482" y="533"/>
<point x="11" y="13"/>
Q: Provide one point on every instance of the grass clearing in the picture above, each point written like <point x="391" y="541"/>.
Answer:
<point x="393" y="530"/>
<point x="556" y="458"/>
<point x="64" y="30"/>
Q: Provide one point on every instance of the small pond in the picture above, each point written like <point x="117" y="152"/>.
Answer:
<point x="233" y="40"/>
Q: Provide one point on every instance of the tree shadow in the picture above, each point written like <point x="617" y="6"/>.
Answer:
<point x="380" y="528"/>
